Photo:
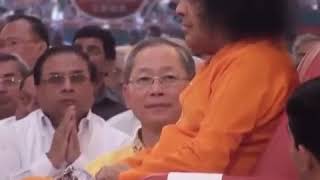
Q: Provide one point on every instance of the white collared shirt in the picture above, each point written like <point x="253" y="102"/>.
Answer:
<point x="126" y="122"/>
<point x="8" y="121"/>
<point x="34" y="136"/>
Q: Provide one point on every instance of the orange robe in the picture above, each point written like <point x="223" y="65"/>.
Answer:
<point x="229" y="113"/>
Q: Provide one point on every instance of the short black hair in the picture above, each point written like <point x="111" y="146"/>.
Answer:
<point x="303" y="110"/>
<point x="37" y="26"/>
<point x="105" y="36"/>
<point x="247" y="18"/>
<point x="37" y="71"/>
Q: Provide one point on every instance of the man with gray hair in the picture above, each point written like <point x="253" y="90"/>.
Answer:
<point x="12" y="71"/>
<point x="157" y="71"/>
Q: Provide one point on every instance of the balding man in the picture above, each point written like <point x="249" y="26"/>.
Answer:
<point x="26" y="36"/>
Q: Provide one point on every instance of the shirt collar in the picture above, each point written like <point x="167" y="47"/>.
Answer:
<point x="137" y="141"/>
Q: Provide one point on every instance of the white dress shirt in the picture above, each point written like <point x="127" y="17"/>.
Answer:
<point x="126" y="122"/>
<point x="34" y="136"/>
<point x="8" y="153"/>
<point x="8" y="121"/>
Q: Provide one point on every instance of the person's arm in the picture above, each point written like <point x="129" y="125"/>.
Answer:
<point x="64" y="150"/>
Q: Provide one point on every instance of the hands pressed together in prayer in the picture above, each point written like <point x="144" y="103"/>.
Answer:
<point x="65" y="147"/>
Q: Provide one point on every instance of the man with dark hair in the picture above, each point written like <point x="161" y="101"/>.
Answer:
<point x="12" y="71"/>
<point x="99" y="45"/>
<point x="304" y="113"/>
<point x="26" y="36"/>
<point x="63" y="132"/>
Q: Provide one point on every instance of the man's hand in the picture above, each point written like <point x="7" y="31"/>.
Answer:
<point x="111" y="172"/>
<point x="73" y="148"/>
<point x="58" y="151"/>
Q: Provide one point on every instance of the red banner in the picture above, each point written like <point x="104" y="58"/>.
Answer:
<point x="107" y="9"/>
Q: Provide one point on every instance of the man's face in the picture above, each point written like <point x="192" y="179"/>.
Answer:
<point x="65" y="81"/>
<point x="93" y="47"/>
<point x="17" y="37"/>
<point x="9" y="88"/>
<point x="156" y="81"/>
<point x="27" y="100"/>
<point x="194" y="26"/>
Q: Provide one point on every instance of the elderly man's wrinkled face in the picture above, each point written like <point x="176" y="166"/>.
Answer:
<point x="17" y="37"/>
<point x="10" y="78"/>
<point x="65" y="81"/>
<point x="156" y="81"/>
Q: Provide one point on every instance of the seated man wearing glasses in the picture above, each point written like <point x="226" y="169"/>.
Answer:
<point x="12" y="71"/>
<point x="156" y="72"/>
<point x="64" y="132"/>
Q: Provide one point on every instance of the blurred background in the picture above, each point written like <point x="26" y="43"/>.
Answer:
<point x="129" y="20"/>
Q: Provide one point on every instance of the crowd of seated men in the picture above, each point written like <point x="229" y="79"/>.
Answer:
<point x="95" y="110"/>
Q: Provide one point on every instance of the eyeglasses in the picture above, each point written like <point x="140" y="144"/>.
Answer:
<point x="164" y="81"/>
<point x="10" y="81"/>
<point x="59" y="79"/>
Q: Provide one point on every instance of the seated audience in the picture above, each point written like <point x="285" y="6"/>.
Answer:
<point x="99" y="45"/>
<point x="302" y="45"/>
<point x="232" y="107"/>
<point x="63" y="132"/>
<point x="303" y="113"/>
<point x="26" y="36"/>
<point x="156" y="73"/>
<point x="12" y="71"/>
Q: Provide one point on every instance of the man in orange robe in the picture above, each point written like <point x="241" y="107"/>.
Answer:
<point x="231" y="108"/>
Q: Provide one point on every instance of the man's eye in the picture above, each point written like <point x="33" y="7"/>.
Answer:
<point x="144" y="79"/>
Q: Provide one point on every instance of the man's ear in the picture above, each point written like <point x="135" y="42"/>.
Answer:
<point x="307" y="160"/>
<point x="42" y="47"/>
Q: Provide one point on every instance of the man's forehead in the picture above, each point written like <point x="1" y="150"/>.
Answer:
<point x="18" y="28"/>
<point x="64" y="63"/>
<point x="8" y="68"/>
